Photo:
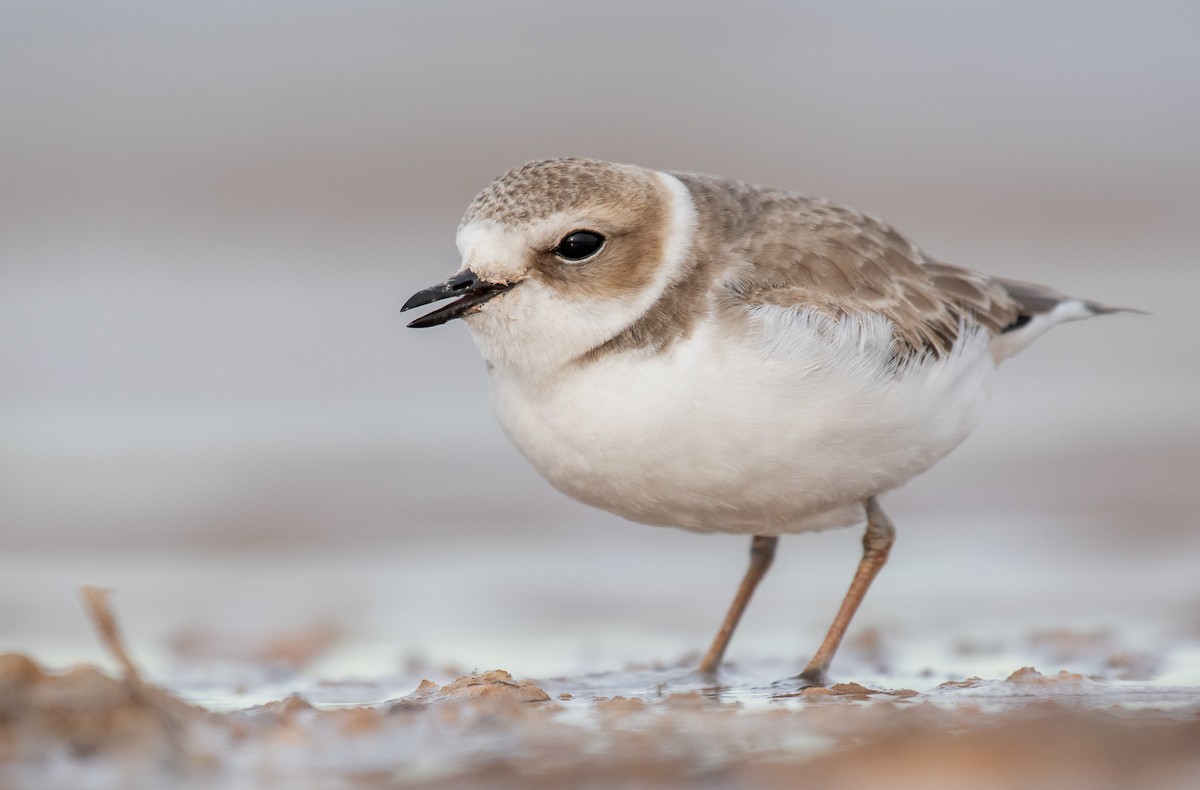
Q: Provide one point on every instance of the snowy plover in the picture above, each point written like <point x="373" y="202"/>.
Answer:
<point x="697" y="352"/>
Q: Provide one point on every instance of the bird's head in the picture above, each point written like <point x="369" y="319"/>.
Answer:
<point x="559" y="256"/>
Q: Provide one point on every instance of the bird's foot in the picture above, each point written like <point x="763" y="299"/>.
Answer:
<point x="813" y="677"/>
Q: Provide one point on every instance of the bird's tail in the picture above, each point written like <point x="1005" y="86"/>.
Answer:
<point x="1041" y="309"/>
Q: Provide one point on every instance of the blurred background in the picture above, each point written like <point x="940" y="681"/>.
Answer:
<point x="210" y="214"/>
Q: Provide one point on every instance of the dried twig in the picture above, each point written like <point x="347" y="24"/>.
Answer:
<point x="96" y="601"/>
<point x="166" y="708"/>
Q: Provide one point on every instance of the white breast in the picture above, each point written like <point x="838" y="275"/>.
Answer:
<point x="782" y="424"/>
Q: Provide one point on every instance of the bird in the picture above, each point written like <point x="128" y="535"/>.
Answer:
<point x="700" y="352"/>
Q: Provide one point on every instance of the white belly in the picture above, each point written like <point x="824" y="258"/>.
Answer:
<point x="783" y="429"/>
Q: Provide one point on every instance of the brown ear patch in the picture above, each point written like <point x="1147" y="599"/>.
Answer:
<point x="626" y="264"/>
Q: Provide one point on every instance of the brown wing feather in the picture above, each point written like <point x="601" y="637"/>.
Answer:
<point x="798" y="251"/>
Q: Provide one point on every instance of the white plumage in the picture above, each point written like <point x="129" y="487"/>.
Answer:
<point x="784" y="424"/>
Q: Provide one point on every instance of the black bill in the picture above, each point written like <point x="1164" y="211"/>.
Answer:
<point x="466" y="285"/>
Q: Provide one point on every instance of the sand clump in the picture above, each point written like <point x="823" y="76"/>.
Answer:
<point x="495" y="685"/>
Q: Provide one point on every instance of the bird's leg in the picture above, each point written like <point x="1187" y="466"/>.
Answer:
<point x="762" y="552"/>
<point x="877" y="542"/>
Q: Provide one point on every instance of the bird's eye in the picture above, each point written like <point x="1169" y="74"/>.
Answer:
<point x="579" y="245"/>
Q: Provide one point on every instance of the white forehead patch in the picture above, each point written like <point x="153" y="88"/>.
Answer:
<point x="496" y="252"/>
